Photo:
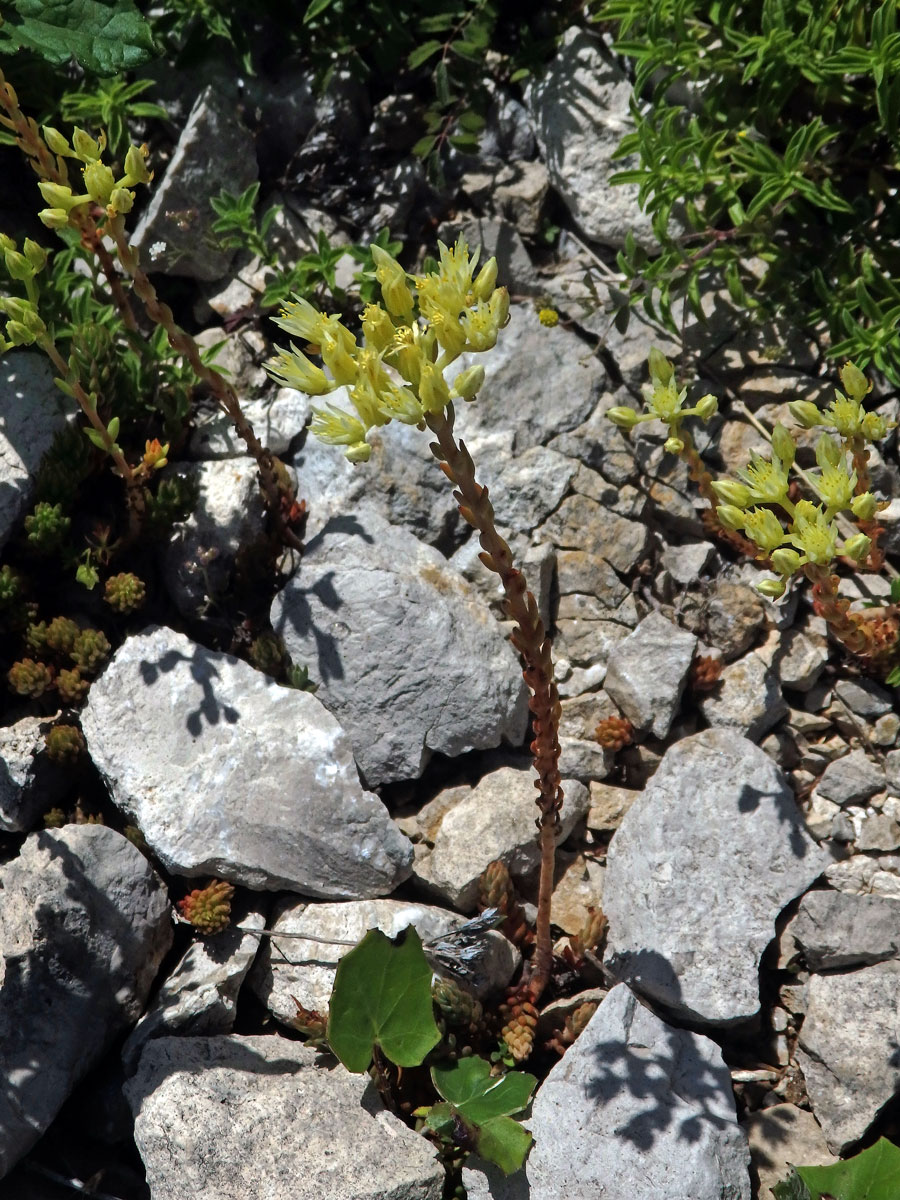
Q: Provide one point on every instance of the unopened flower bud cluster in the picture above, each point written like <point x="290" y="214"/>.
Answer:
<point x="101" y="186"/>
<point x="424" y="323"/>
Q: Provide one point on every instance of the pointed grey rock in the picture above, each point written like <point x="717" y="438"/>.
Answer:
<point x="405" y="654"/>
<point x="636" y="1110"/>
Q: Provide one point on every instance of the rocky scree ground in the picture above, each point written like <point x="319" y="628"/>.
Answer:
<point x="745" y="847"/>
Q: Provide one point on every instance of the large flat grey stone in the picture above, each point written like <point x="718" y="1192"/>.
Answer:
<point x="229" y="774"/>
<point x="700" y="867"/>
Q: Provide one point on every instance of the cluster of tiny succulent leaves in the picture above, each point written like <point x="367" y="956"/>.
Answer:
<point x="423" y="325"/>
<point x="808" y="532"/>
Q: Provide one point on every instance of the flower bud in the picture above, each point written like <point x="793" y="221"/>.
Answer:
<point x="855" y="383"/>
<point x="707" y="407"/>
<point x="485" y="280"/>
<point x="785" y="561"/>
<point x="85" y="147"/>
<point x="857" y="547"/>
<point x="58" y="195"/>
<point x="394" y="288"/>
<point x="673" y="445"/>
<point x="18" y="266"/>
<point x="828" y="452"/>
<point x="730" y="517"/>
<point x="433" y="391"/>
<point x="661" y="370"/>
<point x="732" y="492"/>
<point x="359" y="453"/>
<point x="20" y="334"/>
<point x="783" y="444"/>
<point x="6" y="242"/>
<point x="121" y="200"/>
<point x="99" y="182"/>
<point x="624" y="418"/>
<point x="805" y="413"/>
<point x="136" y="165"/>
<point x="874" y="427"/>
<point x="53" y="218"/>
<point x="468" y="383"/>
<point x="35" y="254"/>
<point x="772" y="588"/>
<point x="56" y="141"/>
<point x="378" y="328"/>
<point x="864" y="506"/>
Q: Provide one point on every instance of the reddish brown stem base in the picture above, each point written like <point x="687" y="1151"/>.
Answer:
<point x="530" y="638"/>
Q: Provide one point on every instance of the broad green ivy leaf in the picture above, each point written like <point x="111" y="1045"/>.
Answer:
<point x="382" y="996"/>
<point x="873" y="1174"/>
<point x="479" y="1096"/>
<point x="503" y="1141"/>
<point x="103" y="36"/>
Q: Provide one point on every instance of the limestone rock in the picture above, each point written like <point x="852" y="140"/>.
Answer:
<point x="30" y="783"/>
<point x="636" y="1110"/>
<point x="229" y="516"/>
<point x="226" y="1118"/>
<point x="697" y="872"/>
<point x="199" y="997"/>
<point x="277" y="420"/>
<point x="403" y="653"/>
<point x="747" y="701"/>
<point x="848" y="1049"/>
<point x="852" y="779"/>
<point x="779" y="1137"/>
<point x="303" y="968"/>
<point x="32" y="411"/>
<point x="229" y="774"/>
<point x="493" y="820"/>
<point x="548" y="377"/>
<point x="215" y="151"/>
<point x="838" y="930"/>
<point x="581" y="111"/>
<point x="84" y="925"/>
<point x="647" y="673"/>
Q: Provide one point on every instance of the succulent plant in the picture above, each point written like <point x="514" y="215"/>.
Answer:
<point x="124" y="592"/>
<point x="208" y="909"/>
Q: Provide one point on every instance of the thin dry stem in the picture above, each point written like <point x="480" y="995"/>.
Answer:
<point x="222" y="390"/>
<point x="530" y="638"/>
<point x="52" y="168"/>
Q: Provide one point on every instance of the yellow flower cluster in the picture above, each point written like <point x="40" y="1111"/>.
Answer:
<point x="665" y="402"/>
<point x="100" y="183"/>
<point x="810" y="534"/>
<point x="424" y="323"/>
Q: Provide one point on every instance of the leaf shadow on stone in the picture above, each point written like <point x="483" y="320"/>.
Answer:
<point x="299" y="612"/>
<point x="786" y="810"/>
<point x="204" y="672"/>
<point x="60" y="987"/>
<point x="674" y="1068"/>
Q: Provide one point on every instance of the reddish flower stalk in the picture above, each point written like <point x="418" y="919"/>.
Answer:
<point x="530" y="638"/>
<point x="221" y="389"/>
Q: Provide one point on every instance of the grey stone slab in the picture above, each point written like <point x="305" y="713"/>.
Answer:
<point x="229" y="774"/>
<point x="32" y="411"/>
<point x="848" y="1049"/>
<point x="647" y="673"/>
<point x="636" y="1110"/>
<point x="228" y="1118"/>
<point x="697" y="872"/>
